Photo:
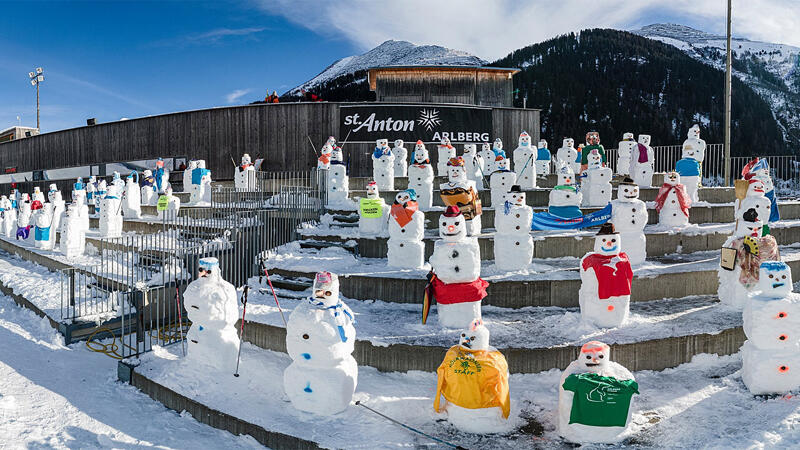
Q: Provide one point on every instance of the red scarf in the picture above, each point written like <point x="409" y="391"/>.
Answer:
<point x="683" y="197"/>
<point x="447" y="294"/>
<point x="611" y="281"/>
<point x="325" y="159"/>
<point x="642" y="153"/>
<point x="404" y="213"/>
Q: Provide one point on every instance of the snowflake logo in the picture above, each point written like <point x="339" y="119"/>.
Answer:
<point x="429" y="118"/>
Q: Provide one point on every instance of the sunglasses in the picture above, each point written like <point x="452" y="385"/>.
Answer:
<point x="320" y="293"/>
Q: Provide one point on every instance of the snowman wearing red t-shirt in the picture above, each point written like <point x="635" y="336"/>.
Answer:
<point x="606" y="276"/>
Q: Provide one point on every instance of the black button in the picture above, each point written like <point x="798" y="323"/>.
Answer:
<point x="456" y="268"/>
<point x="455" y="254"/>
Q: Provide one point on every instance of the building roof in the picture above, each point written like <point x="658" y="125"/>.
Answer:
<point x="19" y="127"/>
<point x="376" y="70"/>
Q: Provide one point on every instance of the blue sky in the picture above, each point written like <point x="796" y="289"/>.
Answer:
<point x="114" y="59"/>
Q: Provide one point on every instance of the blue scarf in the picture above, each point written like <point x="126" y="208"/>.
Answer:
<point x="42" y="234"/>
<point x="341" y="315"/>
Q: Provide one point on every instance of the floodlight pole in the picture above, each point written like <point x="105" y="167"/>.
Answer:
<point x="727" y="124"/>
<point x="37" y="76"/>
<point x="37" y="107"/>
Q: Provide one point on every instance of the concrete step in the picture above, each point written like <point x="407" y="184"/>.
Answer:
<point x="540" y="197"/>
<point x="547" y="181"/>
<point x="698" y="214"/>
<point x="320" y="244"/>
<point x="554" y="288"/>
<point x="577" y="244"/>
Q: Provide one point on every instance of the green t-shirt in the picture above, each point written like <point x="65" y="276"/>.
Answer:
<point x="371" y="208"/>
<point x="588" y="149"/>
<point x="600" y="401"/>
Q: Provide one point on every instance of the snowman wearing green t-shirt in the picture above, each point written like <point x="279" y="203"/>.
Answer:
<point x="594" y="397"/>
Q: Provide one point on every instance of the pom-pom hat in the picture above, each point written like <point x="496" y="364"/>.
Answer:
<point x="452" y="211"/>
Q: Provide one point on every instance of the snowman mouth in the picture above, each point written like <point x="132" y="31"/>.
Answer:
<point x="630" y="196"/>
<point x="452" y="234"/>
<point x="592" y="364"/>
<point x="466" y="344"/>
<point x="612" y="249"/>
<point x="777" y="285"/>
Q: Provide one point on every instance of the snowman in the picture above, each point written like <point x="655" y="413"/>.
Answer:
<point x="445" y="150"/>
<point x="497" y="150"/>
<point x="372" y="212"/>
<point x="337" y="156"/>
<point x="383" y="165"/>
<point x="567" y="154"/>
<point x="82" y="214"/>
<point x="201" y="185"/>
<point x="595" y="397"/>
<point x="473" y="163"/>
<point x="596" y="181"/>
<point x="91" y="189"/>
<point x="37" y="195"/>
<point x="758" y="168"/>
<point x="688" y="167"/>
<point x="400" y="158"/>
<point x="473" y="379"/>
<point x="110" y="222"/>
<point x="642" y="162"/>
<point x="15" y="197"/>
<point x="754" y="199"/>
<point x="513" y="244"/>
<point x="770" y="355"/>
<point x="461" y="192"/>
<point x="629" y="217"/>
<point x="698" y="145"/>
<point x="673" y="202"/>
<point x="564" y="201"/>
<point x="59" y="206"/>
<point x="487" y="155"/>
<point x="161" y="176"/>
<point x="543" y="159"/>
<point x="149" y="196"/>
<point x="168" y="205"/>
<point x="420" y="177"/>
<point x="212" y="306"/>
<point x="740" y="275"/>
<point x="187" y="175"/>
<point x="44" y="234"/>
<point x="591" y="150"/>
<point x="24" y="218"/>
<point x="338" y="184"/>
<point x="501" y="181"/>
<point x="524" y="161"/>
<point x="606" y="276"/>
<point x="244" y="178"/>
<point x="73" y="235"/>
<point x="99" y="195"/>
<point x="132" y="198"/>
<point x="624" y="150"/>
<point x="456" y="267"/>
<point x="320" y="338"/>
<point x="9" y="226"/>
<point x="406" y="230"/>
<point x="325" y="156"/>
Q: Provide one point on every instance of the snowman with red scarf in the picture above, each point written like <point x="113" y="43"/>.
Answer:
<point x="673" y="202"/>
<point x="606" y="276"/>
<point x="406" y="230"/>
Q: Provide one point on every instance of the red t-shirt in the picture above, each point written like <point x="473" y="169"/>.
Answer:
<point x="613" y="278"/>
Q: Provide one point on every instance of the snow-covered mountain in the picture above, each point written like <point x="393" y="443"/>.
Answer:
<point x="392" y="53"/>
<point x="772" y="70"/>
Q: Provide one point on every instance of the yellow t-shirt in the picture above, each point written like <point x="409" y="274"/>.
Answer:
<point x="473" y="379"/>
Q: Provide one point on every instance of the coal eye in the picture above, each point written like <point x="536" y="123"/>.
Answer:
<point x="784" y="277"/>
<point x="463" y="335"/>
<point x="472" y="338"/>
<point x="588" y="357"/>
<point x="770" y="275"/>
<point x="602" y="356"/>
<point x="456" y="223"/>
<point x="613" y="240"/>
<point x="305" y="336"/>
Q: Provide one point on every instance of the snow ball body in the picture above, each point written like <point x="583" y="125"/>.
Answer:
<point x="624" y="150"/>
<point x="420" y="177"/>
<point x="513" y="243"/>
<point x="500" y="182"/>
<point x="400" y="158"/>
<point x="187" y="175"/>
<point x="629" y="216"/>
<point x="525" y="162"/>
<point x="590" y="362"/>
<point x="383" y="166"/>
<point x="642" y="172"/>
<point x="72" y="242"/>
<point x="771" y="372"/>
<point x="338" y="184"/>
<point x="596" y="187"/>
<point x="445" y="151"/>
<point x="473" y="163"/>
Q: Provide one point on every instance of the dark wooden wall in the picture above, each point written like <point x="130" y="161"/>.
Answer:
<point x="466" y="87"/>
<point x="277" y="132"/>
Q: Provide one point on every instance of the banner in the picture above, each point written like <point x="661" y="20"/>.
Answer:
<point x="547" y="221"/>
<point x="429" y="123"/>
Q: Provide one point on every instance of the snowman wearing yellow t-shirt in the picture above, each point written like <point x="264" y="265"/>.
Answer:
<point x="594" y="397"/>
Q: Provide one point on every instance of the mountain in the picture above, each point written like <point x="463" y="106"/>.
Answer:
<point x="772" y="70"/>
<point x="346" y="76"/>
<point x="615" y="81"/>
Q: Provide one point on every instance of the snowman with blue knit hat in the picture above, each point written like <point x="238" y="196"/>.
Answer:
<point x="212" y="306"/>
<point x="543" y="159"/>
<point x="320" y="339"/>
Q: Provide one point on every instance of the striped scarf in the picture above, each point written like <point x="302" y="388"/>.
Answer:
<point x="342" y="314"/>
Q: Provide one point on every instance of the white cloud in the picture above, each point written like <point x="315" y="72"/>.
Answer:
<point x="236" y="95"/>
<point x="209" y="37"/>
<point x="492" y="29"/>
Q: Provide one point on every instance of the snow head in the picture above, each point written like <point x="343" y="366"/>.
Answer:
<point x="421" y="153"/>
<point x="498" y="144"/>
<point x="501" y="164"/>
<point x="607" y="241"/>
<point x="644" y="139"/>
<point x="750" y="225"/>
<point x="694" y="132"/>
<point x="568" y="143"/>
<point x="672" y="179"/>
<point x="326" y="288"/>
<point x="399" y="143"/>
<point x="566" y="176"/>
<point x="208" y="268"/>
<point x="628" y="190"/>
<point x="627" y="136"/>
<point x="456" y="172"/>
<point x="524" y="139"/>
<point x="690" y="151"/>
<point x="515" y="196"/>
<point x="542" y="144"/>
<point x="382" y="143"/>
<point x="594" y="159"/>
<point x="594" y="356"/>
<point x="565" y="196"/>
<point x="485" y="147"/>
<point x="774" y="279"/>
<point x="593" y="138"/>
<point x="470" y="150"/>
<point x="403" y="197"/>
<point x="476" y="337"/>
<point x="372" y="190"/>
<point x="755" y="187"/>
<point x="452" y="226"/>
<point x="246" y="160"/>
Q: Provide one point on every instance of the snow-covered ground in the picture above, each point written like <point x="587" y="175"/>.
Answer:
<point x="52" y="396"/>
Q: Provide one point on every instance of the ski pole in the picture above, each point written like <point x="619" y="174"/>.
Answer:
<point x="180" y="317"/>
<point x="358" y="402"/>
<point x="241" y="329"/>
<point x="312" y="145"/>
<point x="274" y="296"/>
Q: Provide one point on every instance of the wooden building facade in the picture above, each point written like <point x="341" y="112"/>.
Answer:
<point x="278" y="132"/>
